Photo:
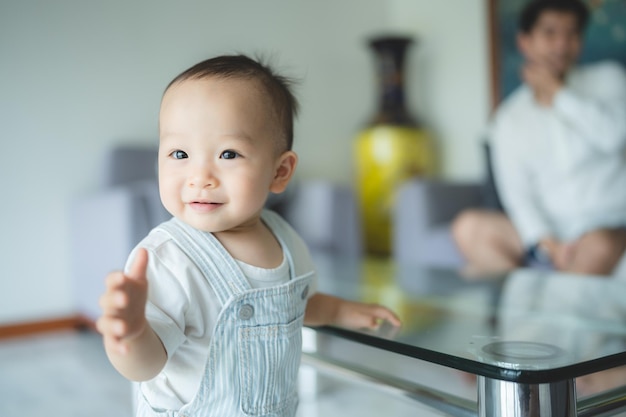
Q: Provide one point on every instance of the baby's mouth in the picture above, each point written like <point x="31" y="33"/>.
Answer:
<point x="204" y="206"/>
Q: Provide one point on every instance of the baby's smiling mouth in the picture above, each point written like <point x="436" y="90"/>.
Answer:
<point x="204" y="206"/>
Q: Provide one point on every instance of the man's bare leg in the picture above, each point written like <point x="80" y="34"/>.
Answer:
<point x="487" y="240"/>
<point x="598" y="252"/>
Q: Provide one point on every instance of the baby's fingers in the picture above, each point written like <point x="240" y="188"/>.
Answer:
<point x="112" y="327"/>
<point x="113" y="301"/>
<point x="114" y="280"/>
<point x="383" y="313"/>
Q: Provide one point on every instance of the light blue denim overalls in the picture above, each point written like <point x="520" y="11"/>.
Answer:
<point x="254" y="353"/>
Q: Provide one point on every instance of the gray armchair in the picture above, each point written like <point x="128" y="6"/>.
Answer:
<point x="107" y="223"/>
<point x="423" y="212"/>
<point x="425" y="209"/>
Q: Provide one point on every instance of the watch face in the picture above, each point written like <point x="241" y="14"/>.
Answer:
<point x="538" y="257"/>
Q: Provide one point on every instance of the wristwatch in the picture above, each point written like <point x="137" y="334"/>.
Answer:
<point x="538" y="256"/>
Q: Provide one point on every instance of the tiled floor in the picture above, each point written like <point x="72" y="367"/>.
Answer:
<point x="62" y="374"/>
<point x="67" y="374"/>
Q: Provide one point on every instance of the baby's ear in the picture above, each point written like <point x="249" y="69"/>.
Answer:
<point x="284" y="169"/>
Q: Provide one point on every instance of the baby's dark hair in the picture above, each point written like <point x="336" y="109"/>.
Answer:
<point x="277" y="86"/>
<point x="532" y="11"/>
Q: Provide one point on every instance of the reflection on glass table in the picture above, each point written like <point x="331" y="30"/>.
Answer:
<point x="532" y="338"/>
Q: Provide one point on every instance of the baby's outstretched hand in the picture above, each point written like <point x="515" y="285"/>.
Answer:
<point x="123" y="304"/>
<point x="365" y="316"/>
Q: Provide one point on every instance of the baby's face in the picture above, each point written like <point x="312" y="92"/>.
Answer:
<point x="218" y="157"/>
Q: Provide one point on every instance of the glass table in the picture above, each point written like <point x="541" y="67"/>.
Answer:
<point x="528" y="335"/>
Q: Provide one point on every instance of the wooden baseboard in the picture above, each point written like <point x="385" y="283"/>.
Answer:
<point x="35" y="327"/>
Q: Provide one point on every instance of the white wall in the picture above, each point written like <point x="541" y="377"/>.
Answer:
<point x="76" y="77"/>
<point x="450" y="85"/>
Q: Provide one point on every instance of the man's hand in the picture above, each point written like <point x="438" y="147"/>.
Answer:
<point x="544" y="83"/>
<point x="123" y="305"/>
<point x="561" y="254"/>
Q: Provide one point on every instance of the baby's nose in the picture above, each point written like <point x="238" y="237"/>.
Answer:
<point x="203" y="177"/>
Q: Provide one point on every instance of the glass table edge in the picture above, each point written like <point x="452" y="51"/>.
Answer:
<point x="524" y="376"/>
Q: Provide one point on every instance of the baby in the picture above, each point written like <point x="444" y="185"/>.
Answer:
<point x="208" y="313"/>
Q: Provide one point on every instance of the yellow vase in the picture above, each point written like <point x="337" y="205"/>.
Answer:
<point x="387" y="155"/>
<point x="390" y="150"/>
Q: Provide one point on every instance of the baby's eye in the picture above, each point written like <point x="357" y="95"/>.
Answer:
<point x="229" y="155"/>
<point x="179" y="154"/>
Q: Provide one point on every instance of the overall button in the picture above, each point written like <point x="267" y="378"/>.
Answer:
<point x="305" y="292"/>
<point x="246" y="311"/>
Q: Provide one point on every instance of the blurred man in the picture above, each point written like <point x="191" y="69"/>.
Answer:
<point x="557" y="147"/>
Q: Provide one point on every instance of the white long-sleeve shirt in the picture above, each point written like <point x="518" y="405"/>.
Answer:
<point x="561" y="170"/>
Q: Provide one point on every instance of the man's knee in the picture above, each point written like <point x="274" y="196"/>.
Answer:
<point x="599" y="251"/>
<point x="605" y="244"/>
<point x="465" y="225"/>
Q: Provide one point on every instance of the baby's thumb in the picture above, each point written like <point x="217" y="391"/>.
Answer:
<point x="140" y="264"/>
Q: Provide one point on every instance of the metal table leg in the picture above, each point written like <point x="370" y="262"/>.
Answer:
<point x="498" y="398"/>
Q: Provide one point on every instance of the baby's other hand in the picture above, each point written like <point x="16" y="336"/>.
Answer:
<point x="365" y="316"/>
<point x="123" y="304"/>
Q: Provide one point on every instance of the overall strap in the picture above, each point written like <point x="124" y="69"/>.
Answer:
<point x="217" y="265"/>
<point x="279" y="228"/>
